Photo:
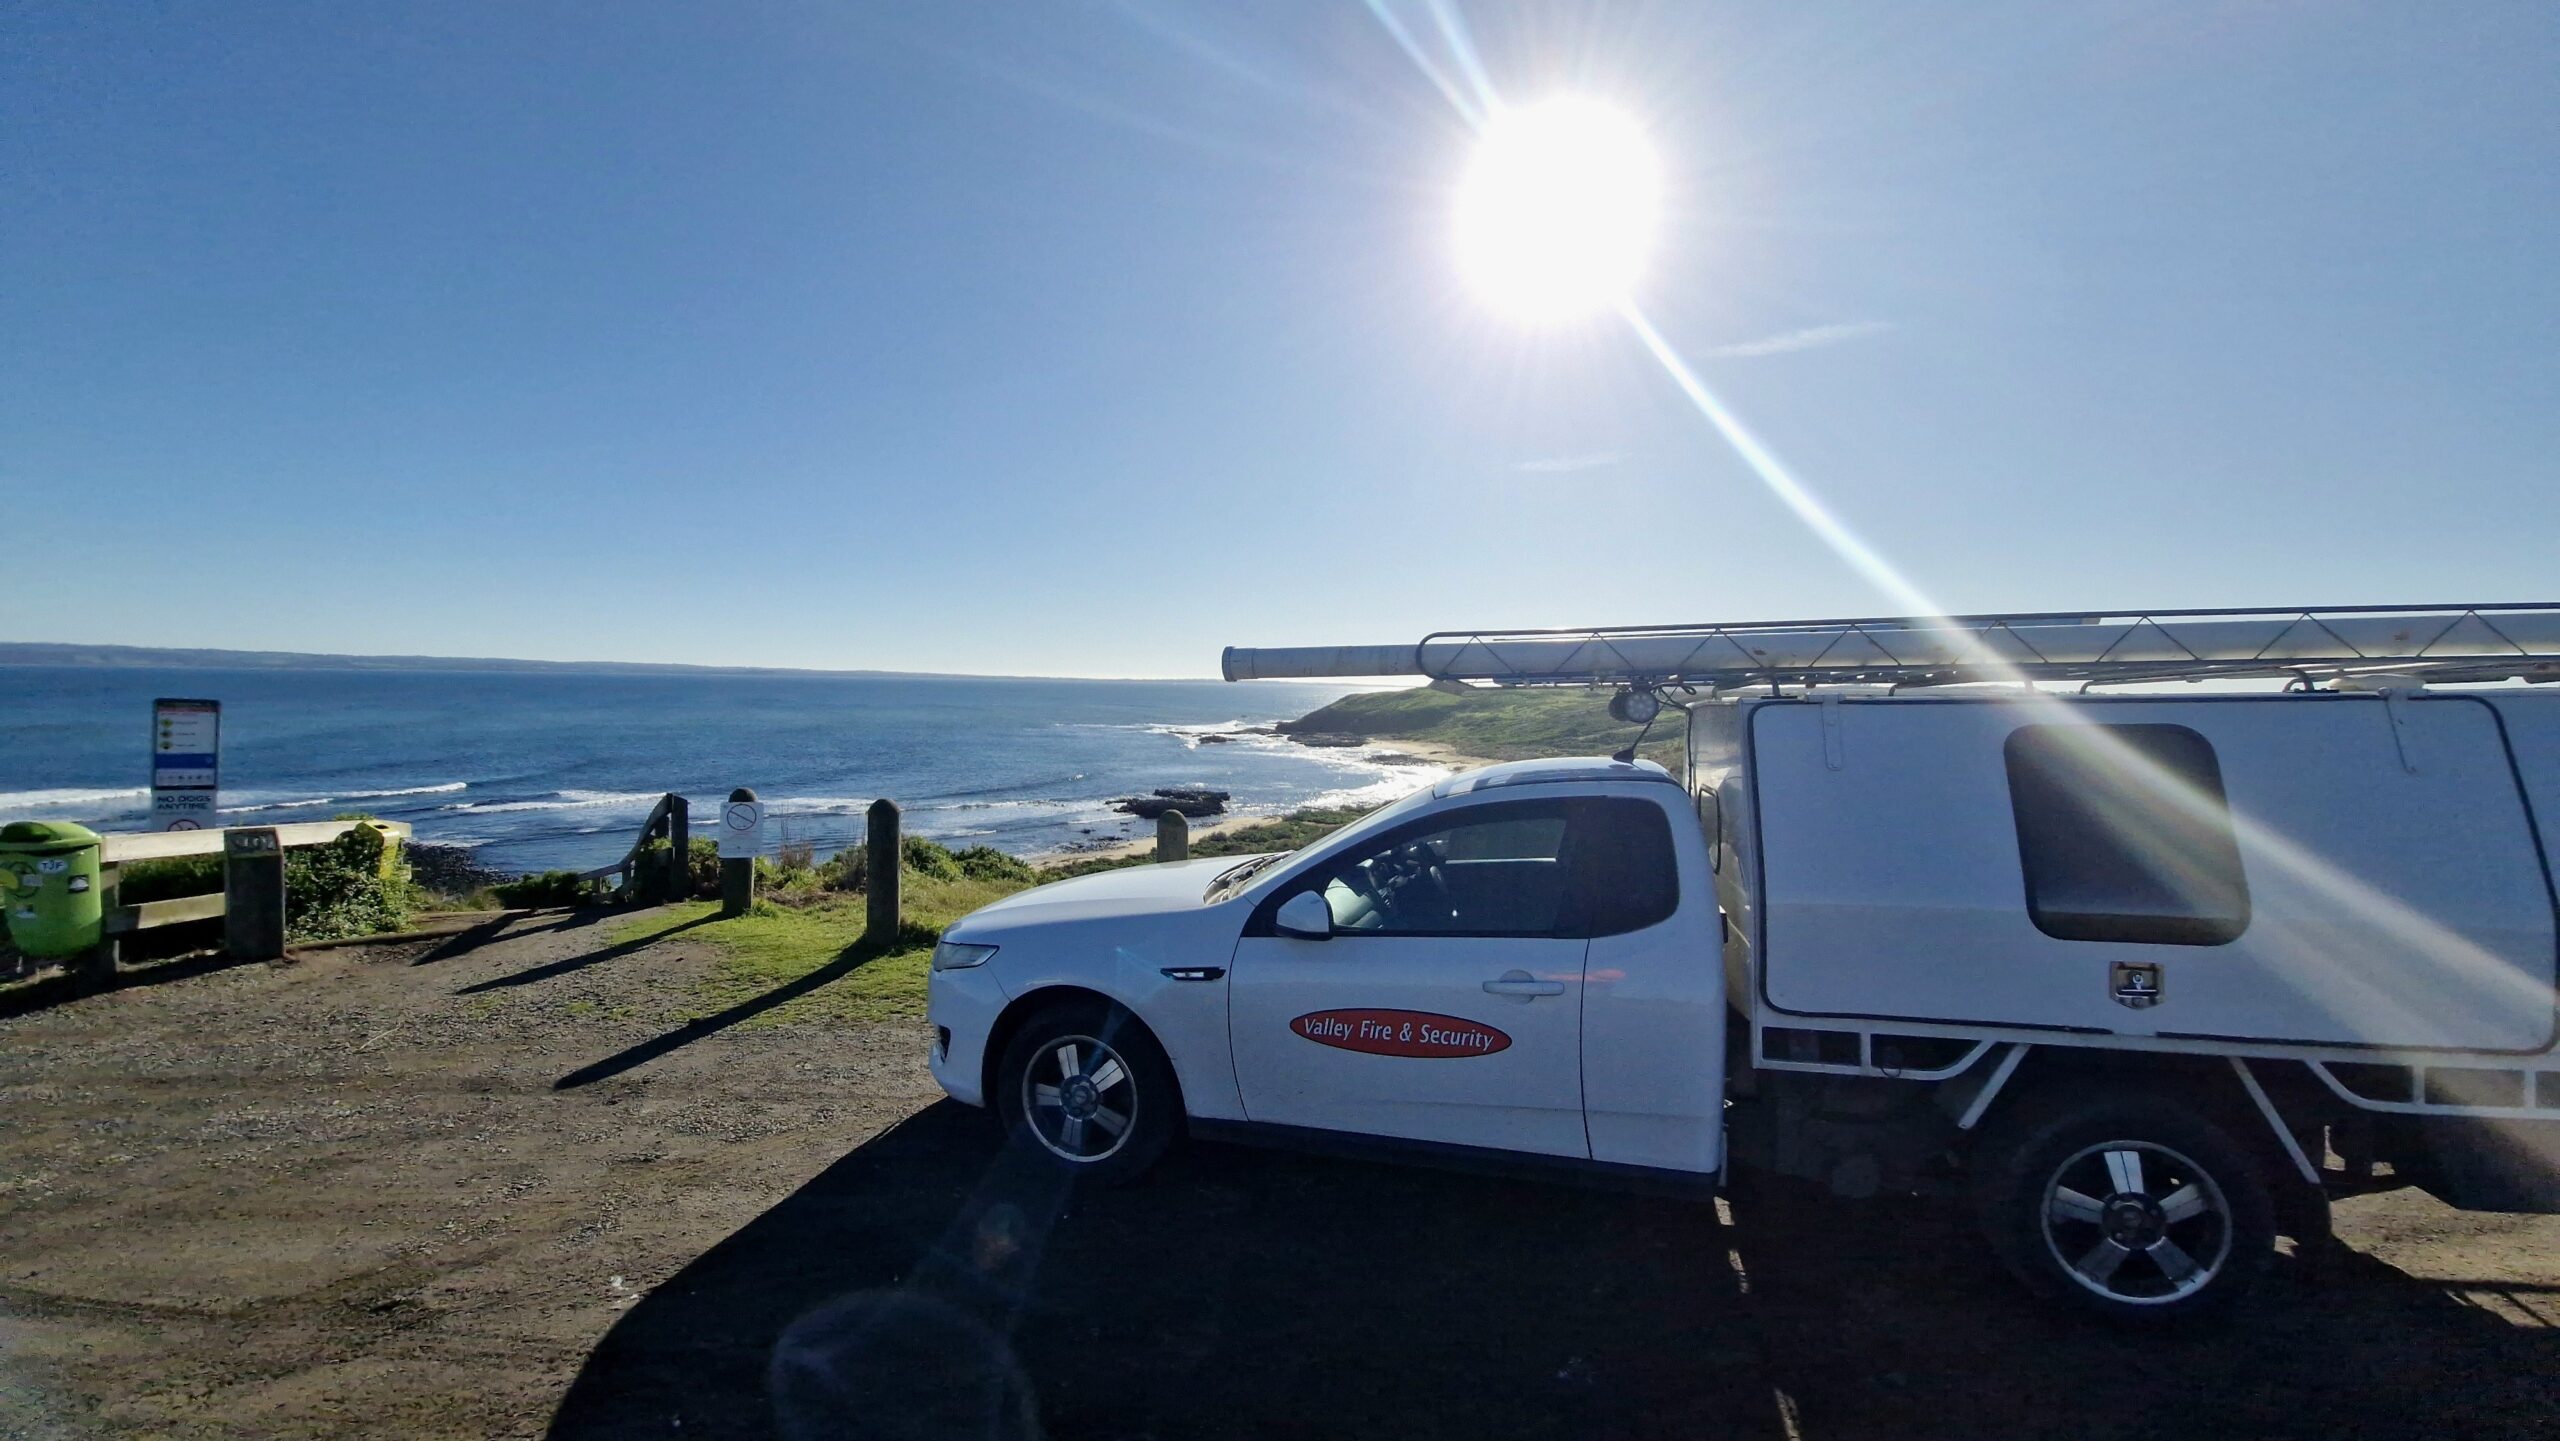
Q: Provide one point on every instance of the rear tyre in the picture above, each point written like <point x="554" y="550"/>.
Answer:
<point x="1086" y="1088"/>
<point x="2136" y="1210"/>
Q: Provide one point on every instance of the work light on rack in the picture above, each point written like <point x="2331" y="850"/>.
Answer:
<point x="1637" y="705"/>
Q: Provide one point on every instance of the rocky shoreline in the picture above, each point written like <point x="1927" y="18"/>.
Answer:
<point x="449" y="870"/>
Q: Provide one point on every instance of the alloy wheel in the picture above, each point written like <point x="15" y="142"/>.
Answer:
<point x="1079" y="1098"/>
<point x="2136" y="1223"/>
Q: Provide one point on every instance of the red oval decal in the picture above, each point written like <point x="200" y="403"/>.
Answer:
<point x="1401" y="1033"/>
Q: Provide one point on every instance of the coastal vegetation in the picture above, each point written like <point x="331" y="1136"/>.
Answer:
<point x="356" y="885"/>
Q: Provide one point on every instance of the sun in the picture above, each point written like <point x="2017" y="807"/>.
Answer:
<point x="1557" y="210"/>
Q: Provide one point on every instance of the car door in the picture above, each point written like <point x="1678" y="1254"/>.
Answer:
<point x="1447" y="1004"/>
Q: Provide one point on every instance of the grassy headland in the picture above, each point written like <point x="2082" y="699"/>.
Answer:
<point x="1501" y="725"/>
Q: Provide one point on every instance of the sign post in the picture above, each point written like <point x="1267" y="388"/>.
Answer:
<point x="741" y="829"/>
<point x="186" y="754"/>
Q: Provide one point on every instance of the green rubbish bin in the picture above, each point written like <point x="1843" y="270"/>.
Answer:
<point x="49" y="882"/>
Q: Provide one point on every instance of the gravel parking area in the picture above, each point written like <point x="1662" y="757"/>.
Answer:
<point x="526" y="1183"/>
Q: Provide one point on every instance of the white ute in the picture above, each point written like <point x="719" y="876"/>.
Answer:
<point x="2148" y="974"/>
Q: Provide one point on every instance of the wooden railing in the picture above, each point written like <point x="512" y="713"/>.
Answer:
<point x="671" y="819"/>
<point x="251" y="901"/>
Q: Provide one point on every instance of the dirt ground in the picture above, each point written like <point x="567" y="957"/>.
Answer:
<point x="513" y="1185"/>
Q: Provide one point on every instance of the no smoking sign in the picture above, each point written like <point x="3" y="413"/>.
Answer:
<point x="741" y="828"/>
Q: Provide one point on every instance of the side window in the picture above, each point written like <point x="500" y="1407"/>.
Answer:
<point x="1493" y="870"/>
<point x="2124" y="834"/>
<point x="1626" y="876"/>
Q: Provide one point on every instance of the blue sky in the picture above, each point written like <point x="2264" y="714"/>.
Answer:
<point x="1085" y="339"/>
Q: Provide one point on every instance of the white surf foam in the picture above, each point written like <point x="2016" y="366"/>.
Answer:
<point x="556" y="801"/>
<point x="66" y="796"/>
<point x="436" y="790"/>
<point x="810" y="805"/>
<point x="304" y="803"/>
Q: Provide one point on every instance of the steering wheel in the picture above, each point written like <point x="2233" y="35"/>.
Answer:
<point x="1368" y="889"/>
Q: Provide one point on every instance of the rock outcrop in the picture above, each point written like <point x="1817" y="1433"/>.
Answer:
<point x="1190" y="800"/>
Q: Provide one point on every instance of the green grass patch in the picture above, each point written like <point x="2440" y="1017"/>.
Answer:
<point x="773" y="946"/>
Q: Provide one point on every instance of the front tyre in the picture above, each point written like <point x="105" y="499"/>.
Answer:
<point x="2137" y="1210"/>
<point x="1089" y="1089"/>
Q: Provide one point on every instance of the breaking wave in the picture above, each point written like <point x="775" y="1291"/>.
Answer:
<point x="556" y="801"/>
<point x="68" y="796"/>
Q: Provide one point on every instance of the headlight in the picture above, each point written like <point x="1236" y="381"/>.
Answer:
<point x="959" y="956"/>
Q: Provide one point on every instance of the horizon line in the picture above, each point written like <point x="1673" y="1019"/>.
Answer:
<point x="117" y="655"/>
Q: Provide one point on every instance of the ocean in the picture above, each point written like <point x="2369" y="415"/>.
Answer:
<point x="557" y="769"/>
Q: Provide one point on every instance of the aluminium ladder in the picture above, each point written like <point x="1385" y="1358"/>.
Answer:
<point x="2420" y="643"/>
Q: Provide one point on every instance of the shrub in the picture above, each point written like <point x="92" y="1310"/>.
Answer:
<point x="142" y="881"/>
<point x="649" y="872"/>
<point x="790" y="878"/>
<point x="847" y="870"/>
<point x="356" y="885"/>
<point x="926" y="858"/>
<point x="986" y="863"/>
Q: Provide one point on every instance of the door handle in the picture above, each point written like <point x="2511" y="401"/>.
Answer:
<point x="1522" y="985"/>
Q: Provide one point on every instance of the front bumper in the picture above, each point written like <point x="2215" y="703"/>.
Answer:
<point x="963" y="1006"/>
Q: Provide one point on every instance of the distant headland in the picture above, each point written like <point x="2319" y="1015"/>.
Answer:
<point x="54" y="653"/>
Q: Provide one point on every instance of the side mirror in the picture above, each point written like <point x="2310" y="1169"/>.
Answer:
<point x="1304" y="916"/>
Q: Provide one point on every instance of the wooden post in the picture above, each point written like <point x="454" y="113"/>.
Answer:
<point x="880" y="875"/>
<point x="1173" y="837"/>
<point x="679" y="849"/>
<point x="738" y="873"/>
<point x="252" y="894"/>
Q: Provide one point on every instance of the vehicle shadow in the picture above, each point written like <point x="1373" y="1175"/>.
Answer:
<point x="932" y="1283"/>
<point x="1887" y="1318"/>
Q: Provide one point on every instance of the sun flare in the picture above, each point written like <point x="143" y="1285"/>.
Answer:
<point x="1557" y="210"/>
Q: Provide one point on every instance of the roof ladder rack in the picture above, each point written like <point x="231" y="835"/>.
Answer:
<point x="2434" y="643"/>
